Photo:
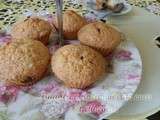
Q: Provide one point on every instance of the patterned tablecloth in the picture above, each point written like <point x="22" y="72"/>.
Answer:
<point x="10" y="10"/>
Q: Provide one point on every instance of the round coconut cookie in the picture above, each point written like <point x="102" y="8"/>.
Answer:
<point x="72" y="23"/>
<point x="32" y="28"/>
<point x="78" y="66"/>
<point x="100" y="36"/>
<point x="23" y="62"/>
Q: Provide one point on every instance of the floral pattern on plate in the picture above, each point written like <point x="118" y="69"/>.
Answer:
<point x="52" y="100"/>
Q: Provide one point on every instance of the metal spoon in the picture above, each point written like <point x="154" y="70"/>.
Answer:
<point x="59" y="6"/>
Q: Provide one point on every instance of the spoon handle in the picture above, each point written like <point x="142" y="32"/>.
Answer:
<point x="59" y="5"/>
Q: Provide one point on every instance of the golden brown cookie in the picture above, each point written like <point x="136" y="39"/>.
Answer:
<point x="72" y="22"/>
<point x="78" y="66"/>
<point x="23" y="62"/>
<point x="100" y="36"/>
<point x="32" y="28"/>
